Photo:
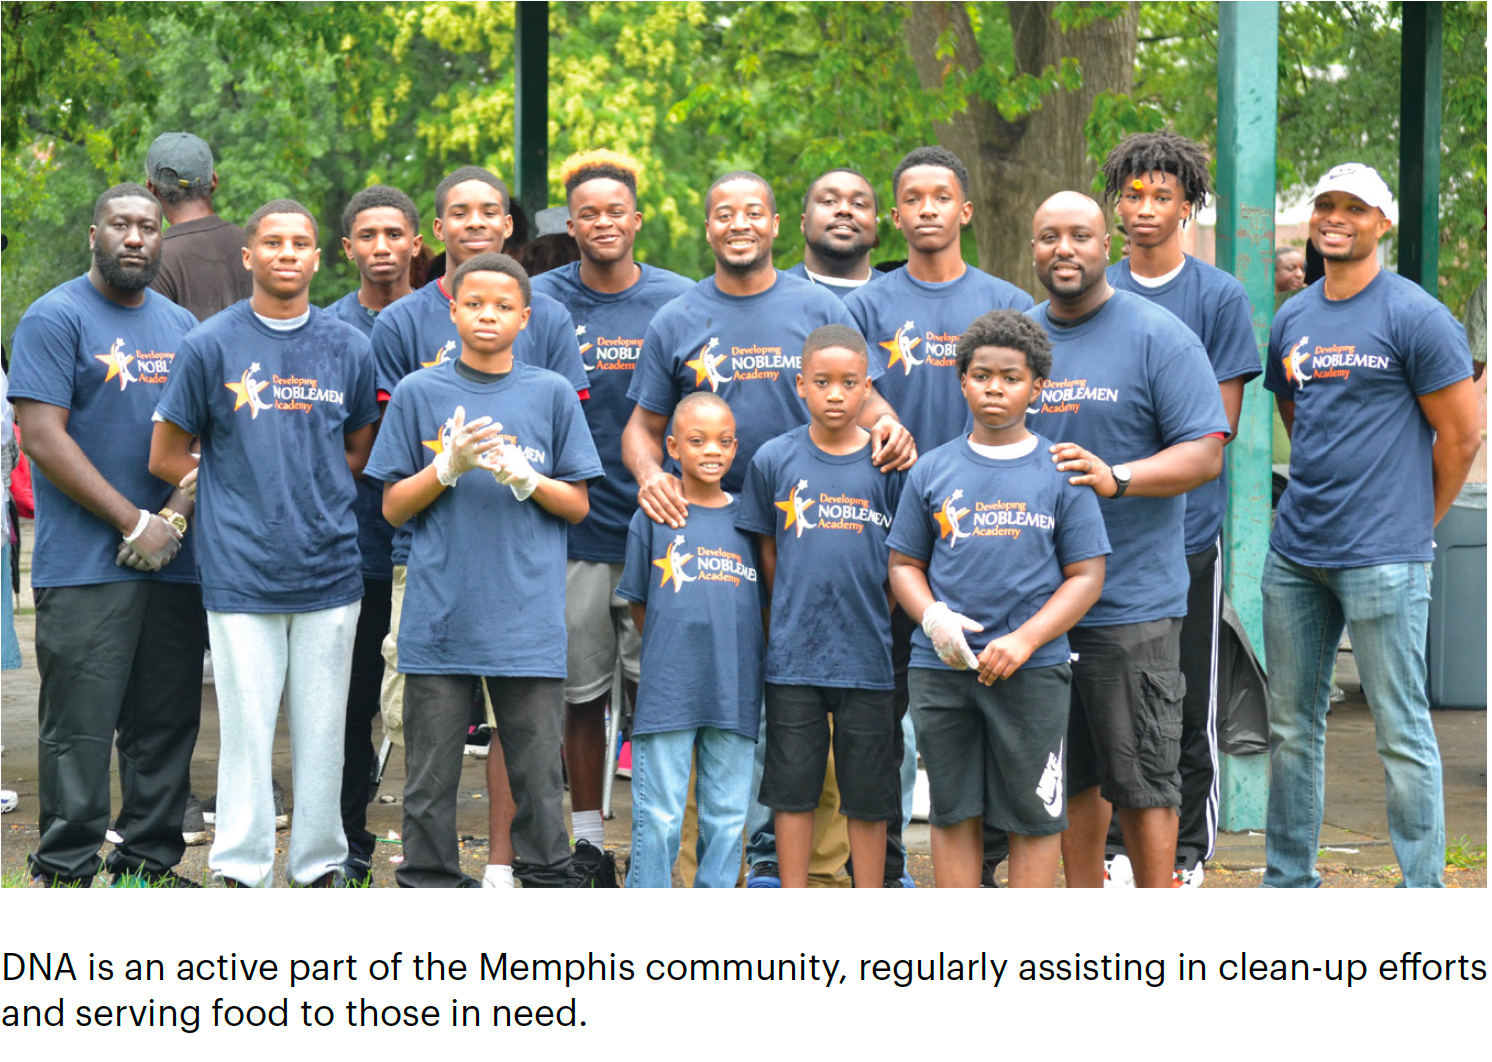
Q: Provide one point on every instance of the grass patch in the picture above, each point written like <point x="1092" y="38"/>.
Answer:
<point x="1463" y="855"/>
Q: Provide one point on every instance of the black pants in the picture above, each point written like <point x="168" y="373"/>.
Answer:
<point x="1197" y="831"/>
<point x="362" y="709"/>
<point x="121" y="664"/>
<point x="530" y="714"/>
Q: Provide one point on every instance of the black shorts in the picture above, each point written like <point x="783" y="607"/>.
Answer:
<point x="994" y="751"/>
<point x="867" y="750"/>
<point x="1124" y="735"/>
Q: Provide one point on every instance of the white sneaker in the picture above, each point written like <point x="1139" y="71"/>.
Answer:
<point x="498" y="878"/>
<point x="8" y="801"/>
<point x="1117" y="873"/>
<point x="1189" y="877"/>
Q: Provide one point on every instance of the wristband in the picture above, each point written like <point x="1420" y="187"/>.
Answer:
<point x="139" y="527"/>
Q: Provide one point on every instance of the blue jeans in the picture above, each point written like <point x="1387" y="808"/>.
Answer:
<point x="1386" y="608"/>
<point x="10" y="647"/>
<point x="660" y="788"/>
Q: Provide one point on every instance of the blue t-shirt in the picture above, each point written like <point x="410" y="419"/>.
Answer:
<point x="844" y="291"/>
<point x="913" y="328"/>
<point x="1215" y="307"/>
<point x="702" y="638"/>
<point x="1126" y="384"/>
<point x="417" y="332"/>
<point x="745" y="348"/>
<point x="830" y="515"/>
<point x="1361" y="484"/>
<point x="610" y="328"/>
<point x="375" y="535"/>
<point x="274" y="497"/>
<point x="485" y="589"/>
<point x="107" y="365"/>
<point x="996" y="534"/>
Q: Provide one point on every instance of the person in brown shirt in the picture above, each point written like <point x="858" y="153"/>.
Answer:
<point x="202" y="256"/>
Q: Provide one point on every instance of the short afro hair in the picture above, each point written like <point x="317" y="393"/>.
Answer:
<point x="875" y="202"/>
<point x="128" y="190"/>
<point x="594" y="165"/>
<point x="278" y="206"/>
<point x="1012" y="330"/>
<point x="1163" y="152"/>
<point x="742" y="175"/>
<point x="698" y="399"/>
<point x="940" y="157"/>
<point x="493" y="263"/>
<point x="835" y="335"/>
<point x="461" y="175"/>
<point x="380" y="195"/>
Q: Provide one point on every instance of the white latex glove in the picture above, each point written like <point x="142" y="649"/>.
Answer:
<point x="188" y="484"/>
<point x="151" y="546"/>
<point x="468" y="442"/>
<point x="946" y="630"/>
<point x="510" y="467"/>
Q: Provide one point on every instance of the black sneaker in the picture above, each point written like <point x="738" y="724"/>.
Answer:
<point x="193" y="823"/>
<point x="358" y="869"/>
<point x="764" y="875"/>
<point x="144" y="879"/>
<point x="591" y="868"/>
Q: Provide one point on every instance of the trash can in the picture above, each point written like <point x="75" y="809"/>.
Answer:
<point x="1457" y="651"/>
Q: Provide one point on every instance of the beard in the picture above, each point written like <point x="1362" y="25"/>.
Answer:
<point x="126" y="277"/>
<point x="843" y="252"/>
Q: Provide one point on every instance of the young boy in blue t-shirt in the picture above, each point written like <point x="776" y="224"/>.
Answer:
<point x="699" y="695"/>
<point x="822" y="512"/>
<point x="487" y="459"/>
<point x="991" y="538"/>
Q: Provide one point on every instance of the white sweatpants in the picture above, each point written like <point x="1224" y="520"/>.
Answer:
<point x="307" y="657"/>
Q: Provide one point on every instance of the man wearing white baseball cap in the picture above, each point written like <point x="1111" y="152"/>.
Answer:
<point x="1373" y="381"/>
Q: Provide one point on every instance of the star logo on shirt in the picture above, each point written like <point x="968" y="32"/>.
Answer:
<point x="119" y="364"/>
<point x="442" y="441"/>
<point x="796" y="509"/>
<point x="672" y="562"/>
<point x="247" y="390"/>
<point x="707" y="366"/>
<point x="948" y="516"/>
<point x="901" y="346"/>
<point x="580" y="331"/>
<point x="441" y="356"/>
<point x="1295" y="370"/>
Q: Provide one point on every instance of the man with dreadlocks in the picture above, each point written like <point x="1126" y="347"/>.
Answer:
<point x="612" y="298"/>
<point x="1158" y="181"/>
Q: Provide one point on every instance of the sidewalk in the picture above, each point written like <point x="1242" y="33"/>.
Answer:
<point x="1355" y="846"/>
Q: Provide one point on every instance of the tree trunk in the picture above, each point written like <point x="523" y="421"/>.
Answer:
<point x="1014" y="166"/>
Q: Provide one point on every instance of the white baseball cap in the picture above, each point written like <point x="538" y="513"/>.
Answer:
<point x="1354" y="178"/>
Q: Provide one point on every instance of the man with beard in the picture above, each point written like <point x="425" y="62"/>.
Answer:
<point x="1136" y="410"/>
<point x="120" y="629"/>
<point x="839" y="232"/>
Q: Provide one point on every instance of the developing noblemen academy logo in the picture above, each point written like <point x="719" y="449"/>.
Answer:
<point x="292" y="394"/>
<point x="746" y="363"/>
<point x="711" y="566"/>
<point x="1304" y="364"/>
<point x="996" y="519"/>
<point x="152" y="367"/>
<point x="938" y="349"/>
<point x="836" y="512"/>
<point x="610" y="352"/>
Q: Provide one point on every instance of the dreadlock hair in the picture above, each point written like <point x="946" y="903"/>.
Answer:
<point x="1163" y="152"/>
<point x="590" y="165"/>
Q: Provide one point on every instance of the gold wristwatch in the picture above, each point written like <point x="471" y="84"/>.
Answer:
<point x="174" y="518"/>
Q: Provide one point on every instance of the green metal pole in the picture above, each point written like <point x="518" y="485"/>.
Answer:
<point x="1247" y="78"/>
<point x="1419" y="146"/>
<point x="531" y="107"/>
